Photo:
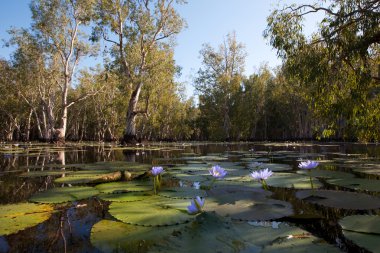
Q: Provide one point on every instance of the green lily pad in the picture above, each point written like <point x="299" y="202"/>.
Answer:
<point x="364" y="230"/>
<point x="16" y="217"/>
<point x="114" y="236"/>
<point x="82" y="177"/>
<point x="124" y="197"/>
<point x="182" y="192"/>
<point x="340" y="199"/>
<point x="364" y="240"/>
<point x="44" y="173"/>
<point x="361" y="223"/>
<point x="155" y="211"/>
<point x="64" y="194"/>
<point x="191" y="177"/>
<point x="255" y="159"/>
<point x="275" y="166"/>
<point x="370" y="171"/>
<point x="210" y="233"/>
<point x="120" y="187"/>
<point x="246" y="203"/>
<point x="357" y="183"/>
<point x="325" y="173"/>
<point x="292" y="180"/>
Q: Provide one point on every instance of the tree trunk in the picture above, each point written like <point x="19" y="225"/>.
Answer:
<point x="38" y="122"/>
<point x="130" y="129"/>
<point x="27" y="132"/>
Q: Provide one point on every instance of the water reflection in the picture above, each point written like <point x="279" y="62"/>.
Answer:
<point x="69" y="228"/>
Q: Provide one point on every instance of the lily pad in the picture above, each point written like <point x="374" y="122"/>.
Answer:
<point x="182" y="192"/>
<point x="124" y="197"/>
<point x="155" y="211"/>
<point x="114" y="236"/>
<point x="120" y="187"/>
<point x="275" y="166"/>
<point x="191" y="177"/>
<point x="64" y="194"/>
<point x="16" y="217"/>
<point x="292" y="180"/>
<point x="326" y="173"/>
<point x="367" y="241"/>
<point x="82" y="177"/>
<point x="372" y="171"/>
<point x="45" y="173"/>
<point x="357" y="183"/>
<point x="364" y="230"/>
<point x="246" y="204"/>
<point x="340" y="199"/>
<point x="361" y="223"/>
<point x="210" y="233"/>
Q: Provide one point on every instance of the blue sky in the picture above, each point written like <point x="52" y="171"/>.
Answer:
<point x="209" y="21"/>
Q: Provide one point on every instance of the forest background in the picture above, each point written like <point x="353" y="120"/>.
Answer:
<point x="326" y="87"/>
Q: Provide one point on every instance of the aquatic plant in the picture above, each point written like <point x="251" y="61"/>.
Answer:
<point x="308" y="165"/>
<point x="196" y="205"/>
<point x="156" y="173"/>
<point x="261" y="176"/>
<point x="197" y="185"/>
<point x="218" y="173"/>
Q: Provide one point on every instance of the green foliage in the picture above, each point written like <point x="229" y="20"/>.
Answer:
<point x="335" y="67"/>
<point x="16" y="217"/>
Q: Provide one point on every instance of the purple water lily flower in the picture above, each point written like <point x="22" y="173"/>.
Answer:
<point x="218" y="172"/>
<point x="197" y="185"/>
<point x="260" y="175"/>
<point x="196" y="205"/>
<point x="307" y="165"/>
<point x="157" y="171"/>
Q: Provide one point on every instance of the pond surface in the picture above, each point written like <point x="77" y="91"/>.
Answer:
<point x="93" y="197"/>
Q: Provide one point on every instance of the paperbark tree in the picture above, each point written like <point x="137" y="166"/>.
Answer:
<point x="57" y="24"/>
<point x="136" y="28"/>
<point x="219" y="80"/>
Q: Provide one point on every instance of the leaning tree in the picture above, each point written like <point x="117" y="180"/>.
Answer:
<point x="136" y="29"/>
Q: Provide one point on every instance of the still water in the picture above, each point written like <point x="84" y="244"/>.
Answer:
<point x="30" y="169"/>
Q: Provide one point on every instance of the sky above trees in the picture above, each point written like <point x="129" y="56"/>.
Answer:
<point x="208" y="22"/>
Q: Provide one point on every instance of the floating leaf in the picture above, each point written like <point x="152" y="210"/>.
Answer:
<point x="367" y="241"/>
<point x="275" y="166"/>
<point x="16" y="217"/>
<point x="64" y="194"/>
<point x="182" y="192"/>
<point x="155" y="211"/>
<point x="357" y="183"/>
<point x="340" y="199"/>
<point x="44" y="173"/>
<point x="361" y="223"/>
<point x="120" y="187"/>
<point x="246" y="204"/>
<point x="210" y="233"/>
<point x="364" y="230"/>
<point x="292" y="180"/>
<point x="372" y="171"/>
<point x="191" y="177"/>
<point x="124" y="197"/>
<point x="82" y="177"/>
<point x="113" y="236"/>
<point x="325" y="173"/>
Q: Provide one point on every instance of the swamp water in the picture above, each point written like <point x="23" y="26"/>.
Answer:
<point x="99" y="198"/>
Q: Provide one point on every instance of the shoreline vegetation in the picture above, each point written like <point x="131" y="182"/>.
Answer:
<point x="327" y="87"/>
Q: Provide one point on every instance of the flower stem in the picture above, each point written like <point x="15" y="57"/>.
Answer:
<point x="264" y="184"/>
<point x="312" y="185"/>
<point x="155" y="185"/>
<point x="212" y="183"/>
